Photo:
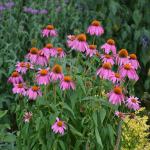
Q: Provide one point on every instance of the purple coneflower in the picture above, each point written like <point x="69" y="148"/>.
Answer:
<point x="95" y="28"/>
<point x="59" y="126"/>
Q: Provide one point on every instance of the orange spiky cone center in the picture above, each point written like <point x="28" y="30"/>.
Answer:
<point x="34" y="50"/>
<point x="50" y="27"/>
<point x="59" y="49"/>
<point x="15" y="74"/>
<point x="49" y="45"/>
<point x="107" y="56"/>
<point x="111" y="42"/>
<point x="92" y="47"/>
<point x="96" y="23"/>
<point x="67" y="78"/>
<point x="118" y="90"/>
<point x="57" y="69"/>
<point x="60" y="123"/>
<point x="35" y="88"/>
<point x="106" y="65"/>
<point x="22" y="64"/>
<point x="117" y="75"/>
<point x="81" y="37"/>
<point x="133" y="56"/>
<point x="123" y="53"/>
<point x="20" y="85"/>
<point x="133" y="100"/>
<point x="127" y="66"/>
<point x="43" y="72"/>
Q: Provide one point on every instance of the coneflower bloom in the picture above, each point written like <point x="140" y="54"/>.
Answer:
<point x="34" y="92"/>
<point x="120" y="115"/>
<point x="42" y="59"/>
<point x="133" y="103"/>
<point x="105" y="71"/>
<point x="107" y="58"/>
<point x="32" y="55"/>
<point x="59" y="126"/>
<point x="133" y="60"/>
<point x="115" y="78"/>
<point x="116" y="96"/>
<point x="43" y="76"/>
<point x="15" y="78"/>
<point x="70" y="39"/>
<point x="49" y="31"/>
<point x="19" y="89"/>
<point x="80" y="43"/>
<point x="91" y="50"/>
<point x="95" y="28"/>
<point x="109" y="46"/>
<point x="129" y="71"/>
<point x="122" y="57"/>
<point x="56" y="73"/>
<point x="47" y="50"/>
<point x="27" y="116"/>
<point x="22" y="67"/>
<point x="67" y="83"/>
<point x="60" y="52"/>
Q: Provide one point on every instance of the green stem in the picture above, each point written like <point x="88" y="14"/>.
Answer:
<point x="77" y="62"/>
<point x="118" y="136"/>
<point x="54" y="92"/>
<point x="93" y="40"/>
<point x="63" y="101"/>
<point x="45" y="92"/>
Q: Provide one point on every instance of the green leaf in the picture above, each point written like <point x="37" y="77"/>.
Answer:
<point x="69" y="109"/>
<point x="62" y="145"/>
<point x="137" y="16"/>
<point x="3" y="113"/>
<point x="94" y="116"/>
<point x="80" y="80"/>
<point x="74" y="131"/>
<point x="111" y="133"/>
<point x="10" y="138"/>
<point x="98" y="138"/>
<point x="113" y="6"/>
<point x="102" y="114"/>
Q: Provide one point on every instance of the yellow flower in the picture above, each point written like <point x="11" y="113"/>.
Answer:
<point x="134" y="133"/>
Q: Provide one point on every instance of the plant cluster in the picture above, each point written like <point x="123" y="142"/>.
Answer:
<point x="77" y="109"/>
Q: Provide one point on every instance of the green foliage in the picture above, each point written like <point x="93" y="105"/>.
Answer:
<point x="89" y="117"/>
<point x="135" y="133"/>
